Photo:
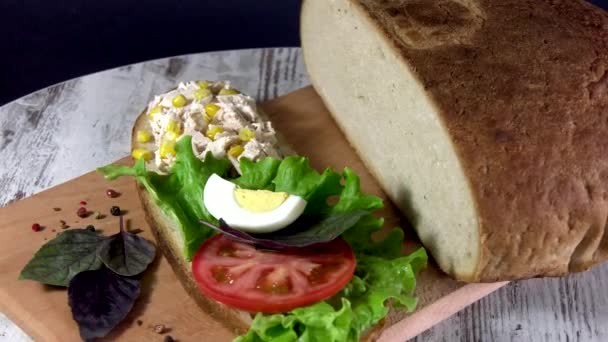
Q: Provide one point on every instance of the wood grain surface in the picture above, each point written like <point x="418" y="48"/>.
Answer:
<point x="43" y="310"/>
<point x="64" y="131"/>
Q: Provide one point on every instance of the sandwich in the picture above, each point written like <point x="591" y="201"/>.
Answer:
<point x="271" y="247"/>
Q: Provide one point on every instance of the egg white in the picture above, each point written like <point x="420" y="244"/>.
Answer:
<point x="218" y="197"/>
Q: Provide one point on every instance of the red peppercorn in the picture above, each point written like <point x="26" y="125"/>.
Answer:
<point x="36" y="227"/>
<point x="83" y="203"/>
<point x="112" y="193"/>
<point x="82" y="212"/>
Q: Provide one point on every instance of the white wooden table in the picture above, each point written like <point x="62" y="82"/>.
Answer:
<point x="63" y="131"/>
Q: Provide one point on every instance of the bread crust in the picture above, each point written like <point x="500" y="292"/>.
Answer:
<point x="522" y="88"/>
<point x="238" y="321"/>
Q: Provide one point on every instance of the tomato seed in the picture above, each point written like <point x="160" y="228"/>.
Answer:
<point x="227" y="251"/>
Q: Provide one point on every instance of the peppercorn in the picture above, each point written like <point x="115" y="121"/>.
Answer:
<point x="168" y="338"/>
<point x="115" y="211"/>
<point x="82" y="212"/>
<point x="159" y="328"/>
<point x="90" y="228"/>
<point x="112" y="193"/>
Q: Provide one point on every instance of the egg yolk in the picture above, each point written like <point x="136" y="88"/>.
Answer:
<point x="259" y="201"/>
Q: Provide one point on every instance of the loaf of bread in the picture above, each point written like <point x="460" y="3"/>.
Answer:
<point x="485" y="121"/>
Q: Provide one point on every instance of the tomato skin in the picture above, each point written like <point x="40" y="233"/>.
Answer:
<point x="255" y="280"/>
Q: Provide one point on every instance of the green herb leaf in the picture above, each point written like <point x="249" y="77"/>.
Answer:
<point x="125" y="253"/>
<point x="100" y="300"/>
<point x="59" y="260"/>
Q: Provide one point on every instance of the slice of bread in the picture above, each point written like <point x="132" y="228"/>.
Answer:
<point x="484" y="121"/>
<point x="170" y="242"/>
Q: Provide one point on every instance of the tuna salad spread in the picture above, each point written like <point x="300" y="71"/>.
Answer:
<point x="219" y="118"/>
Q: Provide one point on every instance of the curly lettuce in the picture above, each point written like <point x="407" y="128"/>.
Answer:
<point x="382" y="272"/>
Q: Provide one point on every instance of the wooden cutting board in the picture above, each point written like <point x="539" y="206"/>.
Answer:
<point x="43" y="311"/>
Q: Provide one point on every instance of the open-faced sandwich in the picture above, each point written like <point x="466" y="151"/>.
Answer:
<point x="271" y="247"/>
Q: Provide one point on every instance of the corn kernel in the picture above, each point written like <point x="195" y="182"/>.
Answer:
<point x="141" y="153"/>
<point x="228" y="91"/>
<point x="167" y="147"/>
<point x="201" y="93"/>
<point x="143" y="136"/>
<point x="211" y="109"/>
<point x="154" y="111"/>
<point x="213" y="131"/>
<point x="171" y="136"/>
<point x="246" y="134"/>
<point x="236" y="151"/>
<point x="203" y="84"/>
<point x="179" y="101"/>
<point x="173" y="126"/>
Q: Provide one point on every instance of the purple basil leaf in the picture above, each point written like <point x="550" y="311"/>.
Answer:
<point x="100" y="300"/>
<point x="125" y="253"/>
<point x="302" y="233"/>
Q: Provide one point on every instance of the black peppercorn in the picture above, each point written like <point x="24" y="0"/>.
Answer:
<point x="115" y="211"/>
<point x="168" y="338"/>
<point x="90" y="228"/>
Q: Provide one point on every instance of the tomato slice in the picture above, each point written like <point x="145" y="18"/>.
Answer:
<point x="258" y="280"/>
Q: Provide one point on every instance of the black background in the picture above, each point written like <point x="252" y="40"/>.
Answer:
<point x="43" y="42"/>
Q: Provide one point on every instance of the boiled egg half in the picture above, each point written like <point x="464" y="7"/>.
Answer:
<point x="253" y="211"/>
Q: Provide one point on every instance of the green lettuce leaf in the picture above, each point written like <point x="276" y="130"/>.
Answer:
<point x="258" y="175"/>
<point x="383" y="274"/>
<point x="363" y="304"/>
<point x="180" y="193"/>
<point x="318" y="322"/>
